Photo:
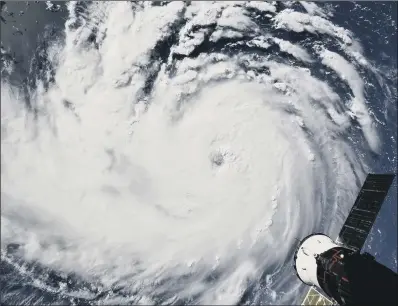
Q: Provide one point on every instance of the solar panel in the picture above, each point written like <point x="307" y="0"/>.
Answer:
<point x="364" y="212"/>
<point x="314" y="297"/>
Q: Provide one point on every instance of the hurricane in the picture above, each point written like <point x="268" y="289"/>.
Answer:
<point x="175" y="152"/>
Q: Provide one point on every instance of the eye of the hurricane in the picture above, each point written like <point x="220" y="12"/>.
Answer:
<point x="221" y="157"/>
<point x="217" y="159"/>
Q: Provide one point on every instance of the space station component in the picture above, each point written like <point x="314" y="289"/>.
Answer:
<point x="338" y="268"/>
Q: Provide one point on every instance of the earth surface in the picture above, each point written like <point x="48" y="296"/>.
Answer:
<point x="175" y="152"/>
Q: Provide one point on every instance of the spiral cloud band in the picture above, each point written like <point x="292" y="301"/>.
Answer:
<point x="180" y="149"/>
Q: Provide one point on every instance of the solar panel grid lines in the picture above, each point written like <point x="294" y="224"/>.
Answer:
<point x="365" y="210"/>
<point x="314" y="297"/>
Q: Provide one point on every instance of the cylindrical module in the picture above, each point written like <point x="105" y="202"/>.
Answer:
<point x="347" y="276"/>
<point x="306" y="254"/>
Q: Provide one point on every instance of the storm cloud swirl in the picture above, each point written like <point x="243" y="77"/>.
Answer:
<point x="173" y="152"/>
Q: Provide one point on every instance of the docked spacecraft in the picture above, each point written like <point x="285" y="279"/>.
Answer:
<point x="337" y="271"/>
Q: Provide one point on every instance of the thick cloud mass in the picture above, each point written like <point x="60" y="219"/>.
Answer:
<point x="181" y="149"/>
